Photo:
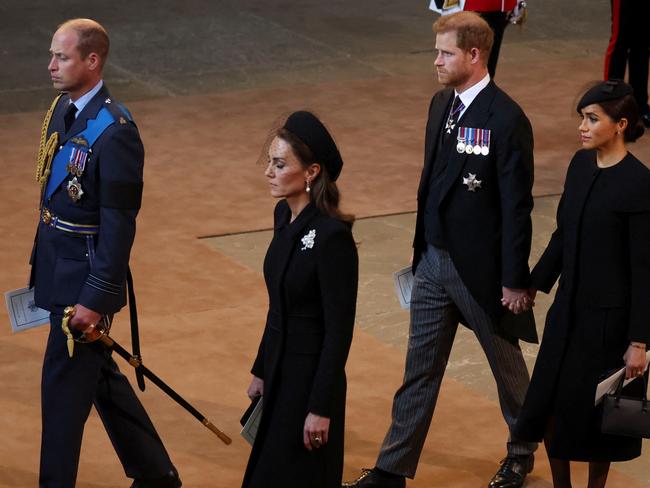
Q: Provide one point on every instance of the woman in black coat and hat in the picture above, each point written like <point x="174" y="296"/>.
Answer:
<point x="599" y="320"/>
<point x="311" y="273"/>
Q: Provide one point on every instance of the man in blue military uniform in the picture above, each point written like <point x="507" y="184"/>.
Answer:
<point x="90" y="168"/>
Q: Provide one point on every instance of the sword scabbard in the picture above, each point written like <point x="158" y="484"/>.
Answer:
<point x="227" y="440"/>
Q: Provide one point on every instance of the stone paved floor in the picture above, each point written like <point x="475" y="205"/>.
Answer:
<point x="384" y="247"/>
<point x="210" y="75"/>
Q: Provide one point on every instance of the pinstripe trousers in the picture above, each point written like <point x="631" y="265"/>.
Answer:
<point x="437" y="300"/>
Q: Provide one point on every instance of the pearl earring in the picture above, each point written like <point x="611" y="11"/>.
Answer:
<point x="308" y="187"/>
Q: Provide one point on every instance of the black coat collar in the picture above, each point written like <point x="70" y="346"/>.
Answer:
<point x="293" y="229"/>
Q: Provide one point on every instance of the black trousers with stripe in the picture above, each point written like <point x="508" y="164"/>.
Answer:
<point x="629" y="46"/>
<point x="70" y="388"/>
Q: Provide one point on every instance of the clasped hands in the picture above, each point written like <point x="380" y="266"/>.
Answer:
<point x="518" y="300"/>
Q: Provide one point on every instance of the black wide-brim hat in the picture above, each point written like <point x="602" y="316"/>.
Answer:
<point x="604" y="92"/>
<point x="306" y="127"/>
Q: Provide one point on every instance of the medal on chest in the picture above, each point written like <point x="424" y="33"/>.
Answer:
<point x="460" y="144"/>
<point x="79" y="156"/>
<point x="471" y="182"/>
<point x="473" y="141"/>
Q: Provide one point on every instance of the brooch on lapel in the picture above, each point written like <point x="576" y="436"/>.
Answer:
<point x="308" y="240"/>
<point x="471" y="182"/>
<point x="473" y="141"/>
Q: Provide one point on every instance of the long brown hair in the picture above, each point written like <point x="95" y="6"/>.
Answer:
<point x="324" y="192"/>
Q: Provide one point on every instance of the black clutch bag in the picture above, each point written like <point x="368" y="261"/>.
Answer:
<point x="627" y="416"/>
<point x="249" y="410"/>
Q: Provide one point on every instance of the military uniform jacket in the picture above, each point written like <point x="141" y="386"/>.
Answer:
<point x="490" y="5"/>
<point x="487" y="231"/>
<point x="112" y="184"/>
<point x="311" y="273"/>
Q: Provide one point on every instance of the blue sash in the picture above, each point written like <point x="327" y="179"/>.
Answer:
<point x="94" y="128"/>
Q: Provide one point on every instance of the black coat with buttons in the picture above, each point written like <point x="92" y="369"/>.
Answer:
<point x="311" y="273"/>
<point x="601" y="253"/>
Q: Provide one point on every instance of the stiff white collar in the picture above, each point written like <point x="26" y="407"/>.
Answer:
<point x="468" y="96"/>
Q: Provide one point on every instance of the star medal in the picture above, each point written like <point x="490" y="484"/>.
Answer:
<point x="479" y="142"/>
<point x="460" y="146"/>
<point x="485" y="147"/>
<point x="74" y="189"/>
<point x="471" y="182"/>
<point x="78" y="156"/>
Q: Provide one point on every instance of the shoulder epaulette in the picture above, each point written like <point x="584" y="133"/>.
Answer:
<point x="118" y="111"/>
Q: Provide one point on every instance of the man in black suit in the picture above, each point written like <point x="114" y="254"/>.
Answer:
<point x="90" y="168"/>
<point x="471" y="247"/>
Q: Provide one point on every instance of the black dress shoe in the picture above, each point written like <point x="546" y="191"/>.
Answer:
<point x="170" y="480"/>
<point x="371" y="478"/>
<point x="512" y="472"/>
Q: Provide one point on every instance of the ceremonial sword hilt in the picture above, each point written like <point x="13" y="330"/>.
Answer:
<point x="103" y="327"/>
<point x="68" y="313"/>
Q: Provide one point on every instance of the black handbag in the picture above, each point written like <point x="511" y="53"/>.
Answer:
<point x="627" y="416"/>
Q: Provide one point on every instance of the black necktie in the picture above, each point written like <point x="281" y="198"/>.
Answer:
<point x="69" y="117"/>
<point x="452" y="119"/>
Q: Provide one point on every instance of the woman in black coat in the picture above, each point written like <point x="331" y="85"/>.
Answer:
<point x="311" y="272"/>
<point x="599" y="319"/>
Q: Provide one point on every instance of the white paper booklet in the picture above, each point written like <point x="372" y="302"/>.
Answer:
<point x="608" y="385"/>
<point x="23" y="313"/>
<point x="403" y="285"/>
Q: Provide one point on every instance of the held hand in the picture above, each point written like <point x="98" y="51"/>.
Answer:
<point x="256" y="388"/>
<point x="85" y="320"/>
<point x="516" y="300"/>
<point x="316" y="431"/>
<point x="635" y="361"/>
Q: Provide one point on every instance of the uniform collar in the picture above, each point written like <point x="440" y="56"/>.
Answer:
<point x="83" y="100"/>
<point x="90" y="111"/>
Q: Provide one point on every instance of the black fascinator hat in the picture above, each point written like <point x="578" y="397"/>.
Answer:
<point x="311" y="131"/>
<point x="604" y="92"/>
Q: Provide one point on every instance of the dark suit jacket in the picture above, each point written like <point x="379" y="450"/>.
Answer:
<point x="488" y="231"/>
<point x="112" y="185"/>
<point x="312" y="286"/>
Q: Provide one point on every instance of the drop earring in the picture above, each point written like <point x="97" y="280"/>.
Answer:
<point x="308" y="187"/>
